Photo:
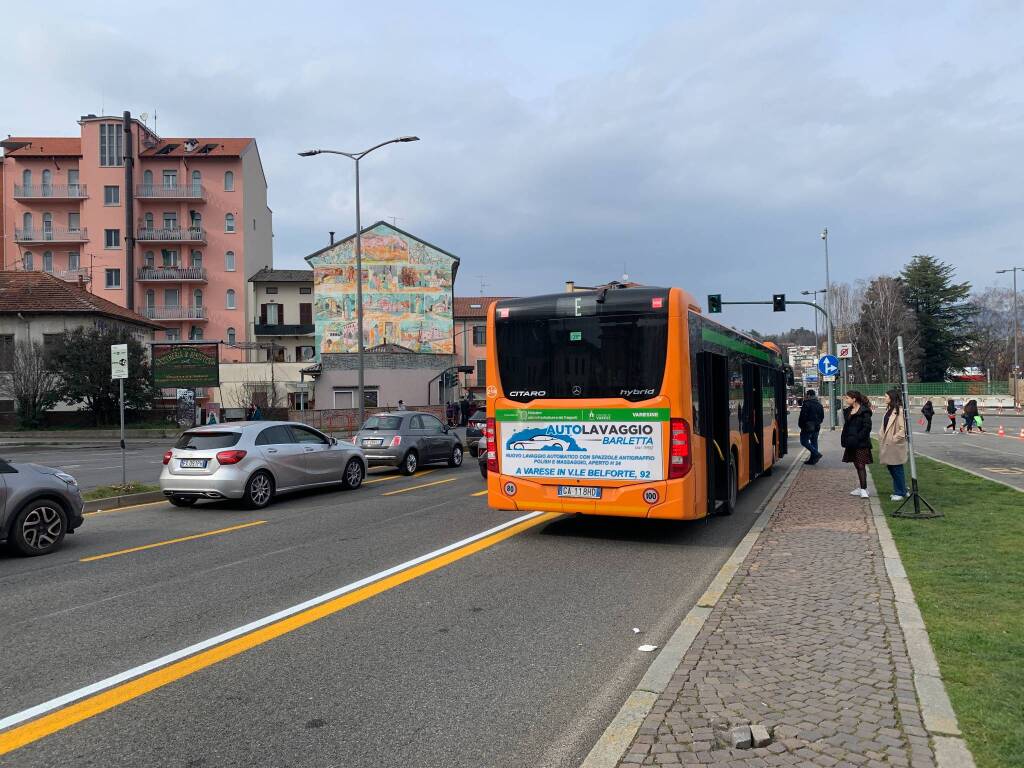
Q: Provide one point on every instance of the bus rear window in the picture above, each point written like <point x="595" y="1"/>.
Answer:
<point x="614" y="355"/>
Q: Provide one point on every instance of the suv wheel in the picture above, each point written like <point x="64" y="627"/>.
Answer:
<point x="353" y="475"/>
<point x="456" y="458"/>
<point x="39" y="527"/>
<point x="410" y="463"/>
<point x="259" y="490"/>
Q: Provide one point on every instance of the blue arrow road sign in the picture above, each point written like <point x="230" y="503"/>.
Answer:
<point x="828" y="365"/>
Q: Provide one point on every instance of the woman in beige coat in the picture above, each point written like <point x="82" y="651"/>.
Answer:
<point x="892" y="443"/>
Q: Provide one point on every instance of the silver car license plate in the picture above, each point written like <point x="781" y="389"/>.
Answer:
<point x="373" y="442"/>
<point x="192" y="463"/>
<point x="579" y="492"/>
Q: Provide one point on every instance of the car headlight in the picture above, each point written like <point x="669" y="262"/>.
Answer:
<point x="66" y="478"/>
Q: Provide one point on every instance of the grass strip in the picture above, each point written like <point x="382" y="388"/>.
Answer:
<point x="109" y="491"/>
<point x="967" y="572"/>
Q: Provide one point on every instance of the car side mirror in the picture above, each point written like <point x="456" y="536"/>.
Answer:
<point x="444" y="428"/>
<point x="334" y="441"/>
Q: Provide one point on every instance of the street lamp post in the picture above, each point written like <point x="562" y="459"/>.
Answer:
<point x="1016" y="331"/>
<point x="357" y="156"/>
<point x="817" y="346"/>
<point x="828" y="328"/>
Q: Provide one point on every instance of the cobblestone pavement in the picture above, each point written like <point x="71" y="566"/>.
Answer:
<point x="804" y="642"/>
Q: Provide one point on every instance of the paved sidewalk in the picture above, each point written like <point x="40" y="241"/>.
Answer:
<point x="805" y="641"/>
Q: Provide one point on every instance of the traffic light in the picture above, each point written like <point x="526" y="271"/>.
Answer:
<point x="779" y="302"/>
<point x="714" y="303"/>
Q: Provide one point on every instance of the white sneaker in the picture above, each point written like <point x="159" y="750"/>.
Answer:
<point x="896" y="497"/>
<point x="862" y="492"/>
<point x="855" y="492"/>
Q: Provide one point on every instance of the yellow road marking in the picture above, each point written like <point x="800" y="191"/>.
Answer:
<point x="396" y="477"/>
<point x="130" y="506"/>
<point x="417" y="487"/>
<point x="479" y="493"/>
<point x="171" y="541"/>
<point x="101" y="702"/>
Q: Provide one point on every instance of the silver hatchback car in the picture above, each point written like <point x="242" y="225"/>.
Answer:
<point x="407" y="439"/>
<point x="254" y="460"/>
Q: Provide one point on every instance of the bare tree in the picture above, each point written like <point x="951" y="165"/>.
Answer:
<point x="884" y="315"/>
<point x="30" y="383"/>
<point x="992" y="332"/>
<point x="265" y="394"/>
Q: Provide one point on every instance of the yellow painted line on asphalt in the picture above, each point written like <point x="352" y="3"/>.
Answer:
<point x="121" y="509"/>
<point x="479" y="493"/>
<point x="171" y="541"/>
<point x="417" y="487"/>
<point x="86" y="705"/>
<point x="397" y="477"/>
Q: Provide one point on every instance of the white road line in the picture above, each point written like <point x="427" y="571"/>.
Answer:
<point x="109" y="682"/>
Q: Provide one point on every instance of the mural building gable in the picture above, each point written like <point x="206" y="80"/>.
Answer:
<point x="407" y="294"/>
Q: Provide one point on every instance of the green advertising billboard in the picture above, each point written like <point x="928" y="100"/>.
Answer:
<point x="186" y="366"/>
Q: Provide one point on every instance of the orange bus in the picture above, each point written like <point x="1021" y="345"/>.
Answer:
<point x="627" y="401"/>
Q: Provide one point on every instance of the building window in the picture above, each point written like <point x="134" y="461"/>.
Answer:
<point x="27" y="262"/>
<point x="271" y="289"/>
<point x="195" y="259"/>
<point x="306" y="291"/>
<point x="7" y="352"/>
<point x="111" y="195"/>
<point x="346" y="398"/>
<point x="229" y="181"/>
<point x="195" y="333"/>
<point x="26" y="182"/>
<point x="229" y="222"/>
<point x="113" y="278"/>
<point x="168" y="258"/>
<point x="47" y="226"/>
<point x="148" y="221"/>
<point x="150" y="298"/>
<point x="229" y="301"/>
<point x="229" y="261"/>
<point x="51" y="343"/>
<point x="173" y="335"/>
<point x="48" y="261"/>
<point x="304" y="353"/>
<point x="111" y="147"/>
<point x="74" y="221"/>
<point x="147" y="183"/>
<point x="170" y="179"/>
<point x="306" y="314"/>
<point x="481" y="373"/>
<point x="273" y="313"/>
<point x="479" y="335"/>
<point x="170" y="220"/>
<point x="197" y="183"/>
<point x="47" y="185"/>
<point x="73" y="260"/>
<point x="231" y="335"/>
<point x="112" y="238"/>
<point x="197" y="298"/>
<point x="147" y="259"/>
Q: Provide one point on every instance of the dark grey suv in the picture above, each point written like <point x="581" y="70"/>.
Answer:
<point x="407" y="439"/>
<point x="38" y="507"/>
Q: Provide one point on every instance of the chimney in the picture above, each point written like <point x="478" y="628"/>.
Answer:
<point x="570" y="286"/>
<point x="332" y="236"/>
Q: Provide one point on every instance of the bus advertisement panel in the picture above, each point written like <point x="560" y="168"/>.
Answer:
<point x="583" y="443"/>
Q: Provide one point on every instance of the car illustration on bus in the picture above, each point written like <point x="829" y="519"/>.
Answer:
<point x="541" y="443"/>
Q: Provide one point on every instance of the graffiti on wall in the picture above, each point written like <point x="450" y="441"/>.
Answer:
<point x="407" y="294"/>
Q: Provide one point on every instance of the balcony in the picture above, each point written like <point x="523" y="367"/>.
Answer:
<point x="51" y="235"/>
<point x="73" y="275"/>
<point x="173" y="274"/>
<point x="50" y="192"/>
<point x="172" y="235"/>
<point x="171" y="192"/>
<point x="303" y="329"/>
<point x="160" y="312"/>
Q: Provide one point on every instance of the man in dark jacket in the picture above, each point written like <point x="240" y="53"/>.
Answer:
<point x="811" y="417"/>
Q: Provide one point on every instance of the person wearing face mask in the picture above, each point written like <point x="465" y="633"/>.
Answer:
<point x="856" y="438"/>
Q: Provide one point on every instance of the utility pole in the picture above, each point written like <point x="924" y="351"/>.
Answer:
<point x="1015" y="375"/>
<point x="832" y="400"/>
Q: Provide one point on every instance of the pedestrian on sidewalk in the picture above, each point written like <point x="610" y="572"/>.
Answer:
<point x="809" y="421"/>
<point x="892" y="443"/>
<point x="951" y="413"/>
<point x="928" y="411"/>
<point x="856" y="438"/>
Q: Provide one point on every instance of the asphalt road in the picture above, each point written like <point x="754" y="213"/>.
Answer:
<point x="517" y="654"/>
<point x="988" y="454"/>
<point x="97" y="464"/>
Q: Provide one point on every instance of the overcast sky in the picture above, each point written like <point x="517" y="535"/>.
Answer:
<point x="702" y="145"/>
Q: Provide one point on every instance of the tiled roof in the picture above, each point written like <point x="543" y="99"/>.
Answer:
<point x="42" y="293"/>
<point x="474" y="306"/>
<point x="282" y="276"/>
<point x="221" y="148"/>
<point x="41" y="146"/>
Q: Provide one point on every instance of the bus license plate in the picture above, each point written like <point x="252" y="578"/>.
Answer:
<point x="192" y="463"/>
<point x="579" y="492"/>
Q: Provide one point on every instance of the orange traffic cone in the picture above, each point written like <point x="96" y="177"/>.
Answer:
<point x="1002" y="432"/>
<point x="1022" y="433"/>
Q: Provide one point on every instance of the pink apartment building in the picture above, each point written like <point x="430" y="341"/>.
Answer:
<point x="171" y="228"/>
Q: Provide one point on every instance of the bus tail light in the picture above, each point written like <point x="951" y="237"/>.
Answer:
<point x="680" y="458"/>
<point x="492" y="446"/>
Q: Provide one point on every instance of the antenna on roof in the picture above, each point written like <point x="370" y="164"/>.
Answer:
<point x="483" y="284"/>
<point x="144" y="117"/>
<point x="154" y="119"/>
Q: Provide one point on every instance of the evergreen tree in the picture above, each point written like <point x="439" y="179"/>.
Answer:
<point x="943" y="312"/>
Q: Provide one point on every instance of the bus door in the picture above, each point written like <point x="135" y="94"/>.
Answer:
<point x="714" y="413"/>
<point x="781" y="389"/>
<point x="753" y="417"/>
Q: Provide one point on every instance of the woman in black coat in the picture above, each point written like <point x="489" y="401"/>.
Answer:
<point x="928" y="411"/>
<point x="856" y="438"/>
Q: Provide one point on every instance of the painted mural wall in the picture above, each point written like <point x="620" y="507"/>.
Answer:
<point x="407" y="294"/>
